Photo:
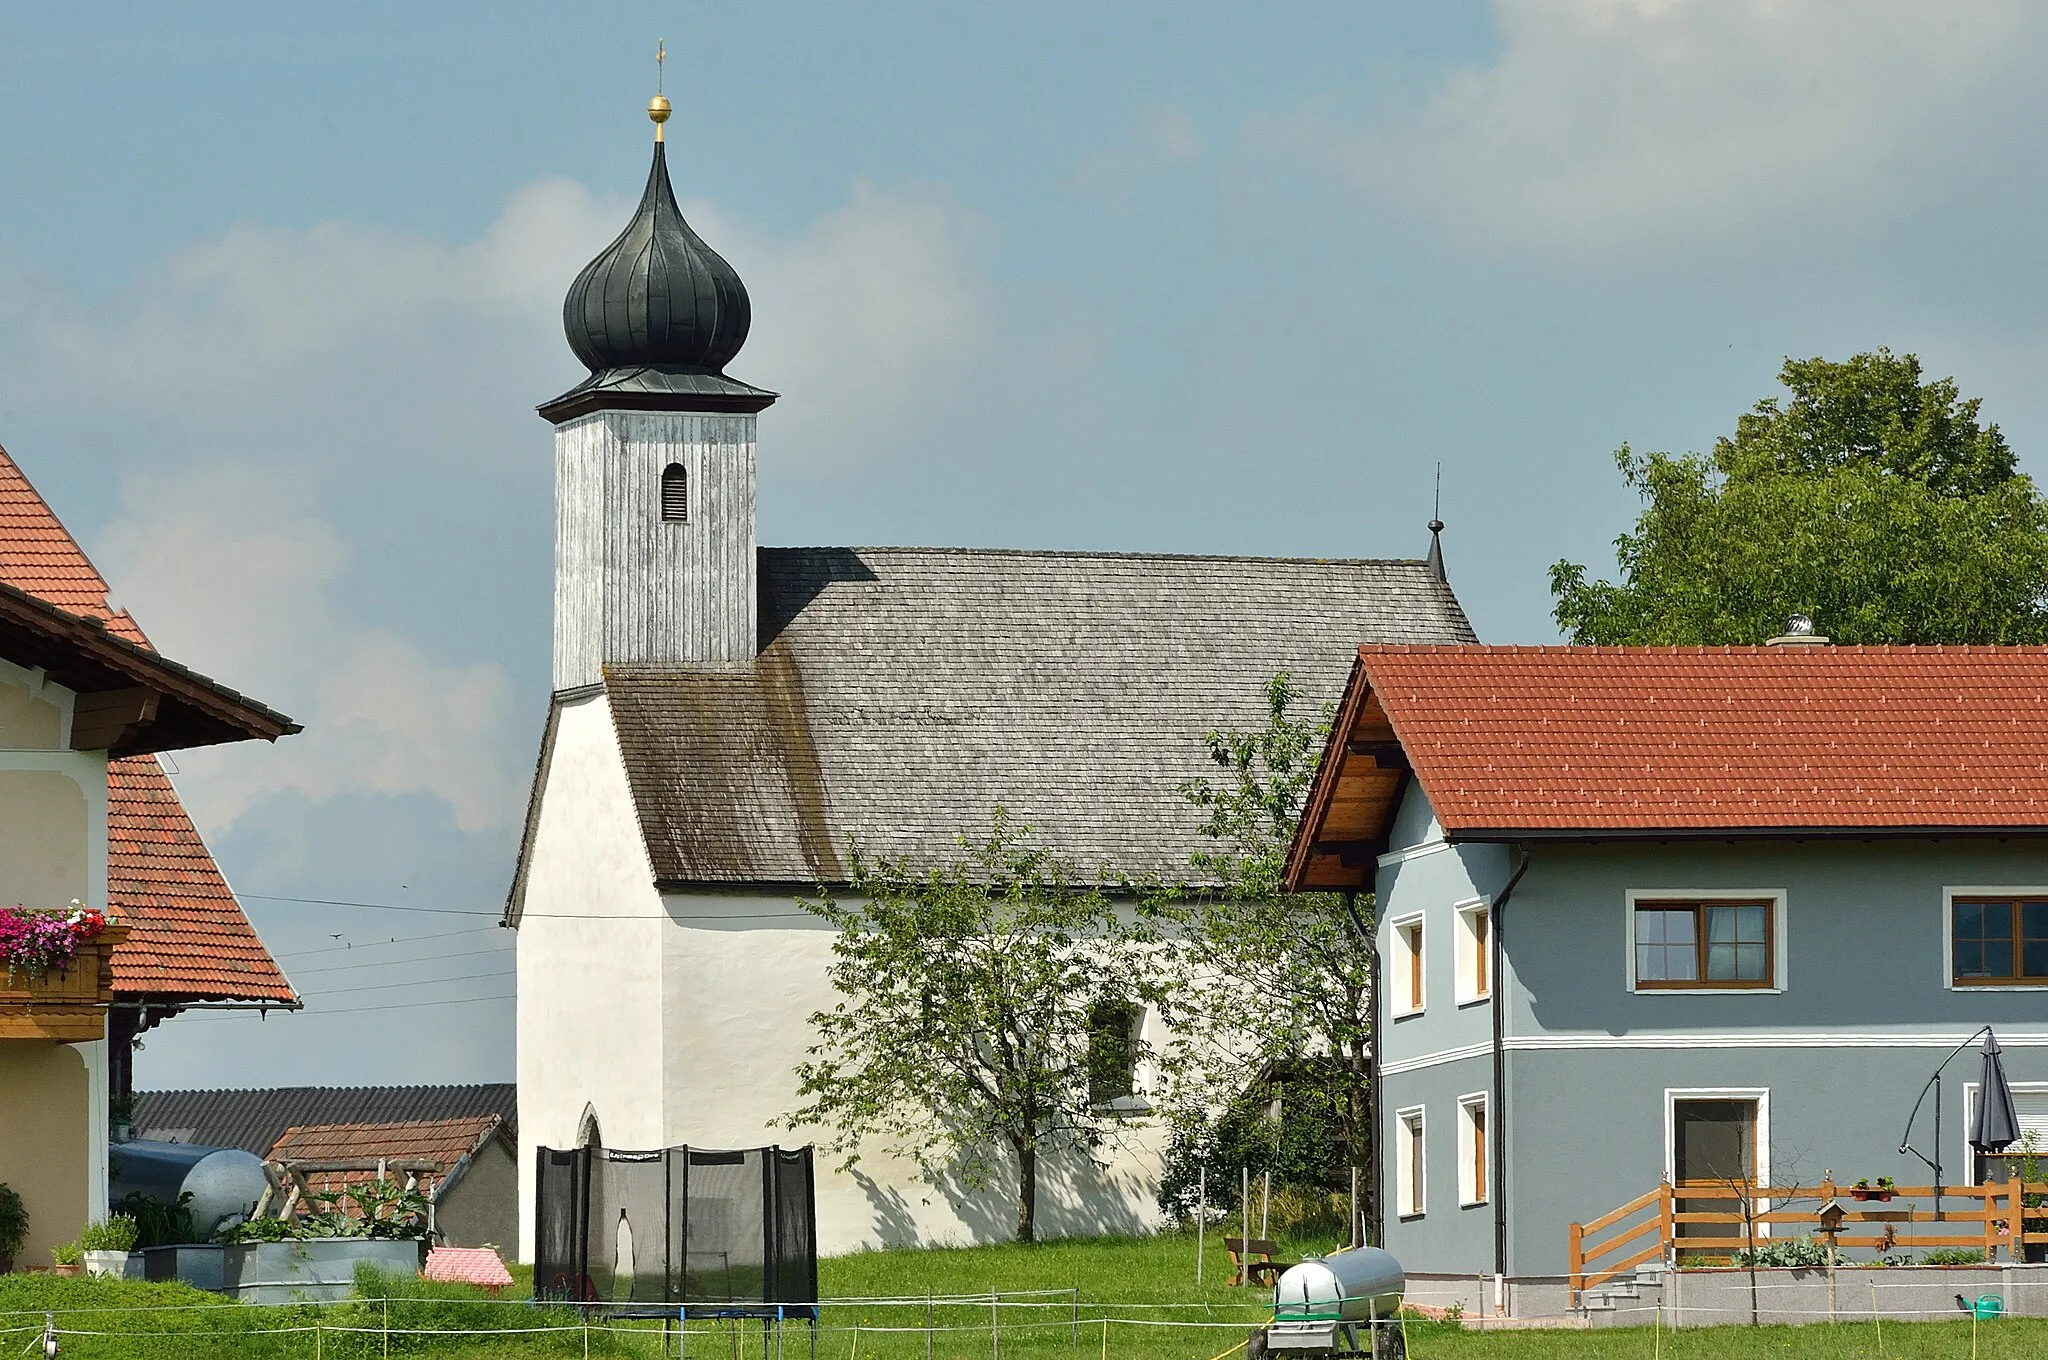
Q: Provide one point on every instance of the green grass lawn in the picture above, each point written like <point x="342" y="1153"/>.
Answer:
<point x="1122" y="1284"/>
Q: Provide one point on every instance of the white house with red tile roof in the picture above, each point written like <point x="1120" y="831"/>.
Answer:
<point x="85" y="705"/>
<point x="1704" y="914"/>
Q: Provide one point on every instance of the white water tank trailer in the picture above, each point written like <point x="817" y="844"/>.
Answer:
<point x="1319" y="1306"/>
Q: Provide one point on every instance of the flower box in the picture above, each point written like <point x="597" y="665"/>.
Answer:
<point x="67" y="1003"/>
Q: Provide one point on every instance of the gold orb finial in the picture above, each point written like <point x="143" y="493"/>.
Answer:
<point x="658" y="107"/>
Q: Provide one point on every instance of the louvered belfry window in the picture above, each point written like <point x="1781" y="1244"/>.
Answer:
<point x="675" y="494"/>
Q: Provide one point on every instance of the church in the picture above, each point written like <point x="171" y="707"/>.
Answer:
<point x="727" y="718"/>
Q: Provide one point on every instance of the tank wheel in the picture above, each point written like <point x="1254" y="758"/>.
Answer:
<point x="1388" y="1341"/>
<point x="1255" y="1344"/>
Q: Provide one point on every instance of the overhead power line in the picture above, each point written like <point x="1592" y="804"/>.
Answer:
<point x="798" y="914"/>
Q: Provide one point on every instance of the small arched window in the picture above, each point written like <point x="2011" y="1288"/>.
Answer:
<point x="587" y="1134"/>
<point x="675" y="494"/>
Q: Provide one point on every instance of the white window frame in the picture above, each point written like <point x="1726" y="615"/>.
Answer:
<point x="1472" y="1146"/>
<point x="1969" y="1115"/>
<point x="1781" y="956"/>
<point x="1948" y="935"/>
<point x="1760" y="1094"/>
<point x="1417" y="958"/>
<point x="1413" y="1122"/>
<point x="1467" y="989"/>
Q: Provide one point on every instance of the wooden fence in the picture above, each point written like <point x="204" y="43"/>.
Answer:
<point x="1717" y="1222"/>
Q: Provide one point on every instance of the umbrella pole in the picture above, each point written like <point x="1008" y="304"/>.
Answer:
<point x="1937" y="1145"/>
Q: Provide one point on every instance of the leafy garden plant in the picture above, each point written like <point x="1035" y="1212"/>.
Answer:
<point x="116" y="1232"/>
<point x="378" y="1209"/>
<point x="13" y="1224"/>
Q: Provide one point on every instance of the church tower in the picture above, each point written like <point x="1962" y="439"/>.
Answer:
<point x="654" y="452"/>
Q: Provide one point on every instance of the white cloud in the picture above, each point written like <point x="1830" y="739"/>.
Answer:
<point x="860" y="317"/>
<point x="1614" y="124"/>
<point x="323" y="432"/>
<point x="1162" y="136"/>
<point x="221" y="562"/>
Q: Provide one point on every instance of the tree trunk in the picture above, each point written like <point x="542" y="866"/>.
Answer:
<point x="1027" y="1192"/>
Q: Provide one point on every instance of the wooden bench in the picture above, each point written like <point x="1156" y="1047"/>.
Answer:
<point x="1254" y="1257"/>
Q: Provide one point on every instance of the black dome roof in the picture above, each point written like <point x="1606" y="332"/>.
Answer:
<point x="656" y="317"/>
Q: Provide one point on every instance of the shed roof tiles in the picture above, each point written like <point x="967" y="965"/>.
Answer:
<point x="901" y="694"/>
<point x="1621" y="740"/>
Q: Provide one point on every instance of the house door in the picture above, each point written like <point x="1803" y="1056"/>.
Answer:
<point x="1713" y="1146"/>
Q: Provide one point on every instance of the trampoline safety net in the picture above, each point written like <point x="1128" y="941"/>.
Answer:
<point x="730" y="1231"/>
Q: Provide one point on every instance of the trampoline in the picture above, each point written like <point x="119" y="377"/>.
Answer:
<point x="678" y="1232"/>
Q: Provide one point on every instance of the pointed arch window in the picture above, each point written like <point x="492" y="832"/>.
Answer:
<point x="675" y="494"/>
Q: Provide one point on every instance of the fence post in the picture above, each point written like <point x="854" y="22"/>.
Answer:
<point x="1576" y="1238"/>
<point x="995" y="1327"/>
<point x="1665" y="1225"/>
<point x="928" y="1333"/>
<point x="1990" y="1225"/>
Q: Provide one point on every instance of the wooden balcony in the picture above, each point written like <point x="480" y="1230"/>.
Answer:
<point x="68" y="1006"/>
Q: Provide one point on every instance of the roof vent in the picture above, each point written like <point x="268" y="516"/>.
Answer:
<point x="1798" y="633"/>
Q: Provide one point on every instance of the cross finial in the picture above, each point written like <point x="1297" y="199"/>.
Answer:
<point x="658" y="107"/>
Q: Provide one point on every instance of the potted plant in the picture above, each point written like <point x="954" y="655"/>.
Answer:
<point x="69" y="1258"/>
<point x="109" y="1247"/>
<point x="13" y="1226"/>
<point x="121" y="1118"/>
<point x="1885" y="1189"/>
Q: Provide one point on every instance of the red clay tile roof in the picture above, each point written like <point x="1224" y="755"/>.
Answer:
<point x="1565" y="740"/>
<point x="446" y="1141"/>
<point x="443" y="1141"/>
<point x="188" y="938"/>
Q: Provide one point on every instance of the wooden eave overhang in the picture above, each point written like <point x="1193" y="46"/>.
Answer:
<point x="131" y="701"/>
<point x="1358" y="786"/>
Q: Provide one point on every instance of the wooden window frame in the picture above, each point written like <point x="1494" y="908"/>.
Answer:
<point x="1474" y="1152"/>
<point x="1411" y="1162"/>
<point x="1474" y="940"/>
<point x="1411" y="954"/>
<point x="1698" y="904"/>
<point x="2014" y="901"/>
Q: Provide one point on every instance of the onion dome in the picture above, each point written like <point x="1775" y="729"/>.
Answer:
<point x="657" y="315"/>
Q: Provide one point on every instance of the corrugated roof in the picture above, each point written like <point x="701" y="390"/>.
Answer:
<point x="256" y="1119"/>
<point x="901" y="694"/>
<point x="1635" y="740"/>
<point x="189" y="939"/>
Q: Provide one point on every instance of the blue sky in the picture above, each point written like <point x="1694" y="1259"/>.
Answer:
<point x="280" y="287"/>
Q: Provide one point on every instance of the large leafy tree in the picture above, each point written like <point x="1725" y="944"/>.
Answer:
<point x="985" y="1014"/>
<point x="1870" y="499"/>
<point x="1278" y="978"/>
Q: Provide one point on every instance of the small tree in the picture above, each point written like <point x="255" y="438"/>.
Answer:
<point x="1273" y="975"/>
<point x="977" y="1003"/>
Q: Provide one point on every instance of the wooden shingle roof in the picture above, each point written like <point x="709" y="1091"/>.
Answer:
<point x="901" y="694"/>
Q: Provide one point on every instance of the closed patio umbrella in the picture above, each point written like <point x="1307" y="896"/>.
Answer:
<point x="1996" y="1124"/>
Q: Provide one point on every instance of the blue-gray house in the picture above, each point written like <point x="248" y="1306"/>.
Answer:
<point x="1697" y="914"/>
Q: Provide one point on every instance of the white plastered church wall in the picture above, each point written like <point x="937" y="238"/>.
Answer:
<point x="590" y="1023"/>
<point x="745" y="972"/>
